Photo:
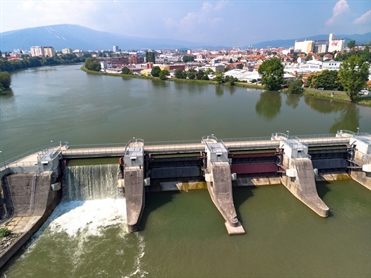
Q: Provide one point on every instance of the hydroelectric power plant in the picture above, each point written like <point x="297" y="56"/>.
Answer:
<point x="32" y="185"/>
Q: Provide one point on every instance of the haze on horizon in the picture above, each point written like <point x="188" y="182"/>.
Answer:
<point x="237" y="22"/>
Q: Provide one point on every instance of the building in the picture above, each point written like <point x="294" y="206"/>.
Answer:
<point x="116" y="48"/>
<point x="37" y="51"/>
<point x="66" y="51"/>
<point x="42" y="51"/>
<point x="49" y="51"/>
<point x="320" y="46"/>
<point x="304" y="46"/>
<point x="335" y="45"/>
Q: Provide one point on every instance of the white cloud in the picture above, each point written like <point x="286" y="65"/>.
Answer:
<point x="365" y="18"/>
<point x="340" y="8"/>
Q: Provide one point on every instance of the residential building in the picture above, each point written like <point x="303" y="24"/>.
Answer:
<point x="42" y="51"/>
<point x="66" y="51"/>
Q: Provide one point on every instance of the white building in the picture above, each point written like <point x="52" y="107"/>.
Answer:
<point x="335" y="45"/>
<point x="37" y="51"/>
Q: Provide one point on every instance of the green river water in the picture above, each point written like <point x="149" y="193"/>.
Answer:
<point x="182" y="234"/>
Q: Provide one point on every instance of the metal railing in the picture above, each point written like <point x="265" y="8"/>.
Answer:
<point x="17" y="160"/>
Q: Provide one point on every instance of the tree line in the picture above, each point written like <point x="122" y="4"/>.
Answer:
<point x="351" y="77"/>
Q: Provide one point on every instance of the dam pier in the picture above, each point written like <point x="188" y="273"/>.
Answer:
<point x="32" y="185"/>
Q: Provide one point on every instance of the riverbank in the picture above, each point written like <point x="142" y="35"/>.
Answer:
<point x="309" y="92"/>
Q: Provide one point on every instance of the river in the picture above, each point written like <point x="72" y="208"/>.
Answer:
<point x="183" y="234"/>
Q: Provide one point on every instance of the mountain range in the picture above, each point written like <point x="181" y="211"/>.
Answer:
<point x="79" y="37"/>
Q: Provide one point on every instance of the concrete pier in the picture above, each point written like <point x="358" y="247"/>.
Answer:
<point x="303" y="186"/>
<point x="219" y="183"/>
<point x="300" y="178"/>
<point x="134" y="182"/>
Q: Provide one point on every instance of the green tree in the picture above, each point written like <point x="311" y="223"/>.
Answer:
<point x="188" y="58"/>
<point x="272" y="74"/>
<point x="155" y="72"/>
<point x="295" y="86"/>
<point x="164" y="74"/>
<point x="126" y="70"/>
<point x="200" y="74"/>
<point x="150" y="57"/>
<point x="180" y="74"/>
<point x="327" y="79"/>
<point x="90" y="64"/>
<point x="351" y="44"/>
<point x="5" y="80"/>
<point x="191" y="73"/>
<point x="239" y="66"/>
<point x="353" y="75"/>
<point x="219" y="77"/>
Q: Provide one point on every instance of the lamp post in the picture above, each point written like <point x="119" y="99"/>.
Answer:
<point x="288" y="134"/>
<point x="357" y="130"/>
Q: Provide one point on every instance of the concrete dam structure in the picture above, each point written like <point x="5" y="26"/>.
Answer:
<point x="33" y="184"/>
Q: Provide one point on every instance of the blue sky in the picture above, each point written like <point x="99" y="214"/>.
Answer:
<point x="225" y="22"/>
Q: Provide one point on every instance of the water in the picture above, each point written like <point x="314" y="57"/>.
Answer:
<point x="182" y="234"/>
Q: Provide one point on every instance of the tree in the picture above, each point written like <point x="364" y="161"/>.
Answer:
<point x="295" y="86"/>
<point x="188" y="58"/>
<point x="272" y="74"/>
<point x="239" y="66"/>
<point x="90" y="64"/>
<point x="351" y="44"/>
<point x="155" y="72"/>
<point x="150" y="57"/>
<point x="200" y="74"/>
<point x="5" y="80"/>
<point x="180" y="74"/>
<point x="353" y="75"/>
<point x="327" y="79"/>
<point x="126" y="70"/>
<point x="191" y="73"/>
<point x="163" y="74"/>
<point x="219" y="77"/>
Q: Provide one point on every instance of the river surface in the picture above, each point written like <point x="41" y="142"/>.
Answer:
<point x="183" y="234"/>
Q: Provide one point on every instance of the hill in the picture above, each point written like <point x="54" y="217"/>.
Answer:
<point x="79" y="37"/>
<point x="360" y="39"/>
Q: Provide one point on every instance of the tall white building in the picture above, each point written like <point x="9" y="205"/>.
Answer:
<point x="335" y="45"/>
<point x="42" y="51"/>
<point x="37" y="51"/>
<point x="116" y="48"/>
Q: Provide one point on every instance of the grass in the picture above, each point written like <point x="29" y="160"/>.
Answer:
<point x="338" y="96"/>
<point x="309" y="92"/>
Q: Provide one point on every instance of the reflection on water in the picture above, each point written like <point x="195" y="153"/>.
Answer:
<point x="324" y="106"/>
<point x="347" y="114"/>
<point x="269" y="105"/>
<point x="348" y="119"/>
<point x="293" y="100"/>
<point x="219" y="90"/>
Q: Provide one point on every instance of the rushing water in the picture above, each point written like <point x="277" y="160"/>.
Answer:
<point x="183" y="234"/>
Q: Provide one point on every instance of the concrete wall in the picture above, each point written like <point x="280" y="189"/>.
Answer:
<point x="358" y="175"/>
<point x="31" y="197"/>
<point x="303" y="186"/>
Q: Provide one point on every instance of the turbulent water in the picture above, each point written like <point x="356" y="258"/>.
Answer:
<point x="86" y="234"/>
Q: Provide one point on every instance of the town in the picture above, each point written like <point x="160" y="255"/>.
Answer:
<point x="305" y="60"/>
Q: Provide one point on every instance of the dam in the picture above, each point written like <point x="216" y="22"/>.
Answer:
<point x="32" y="185"/>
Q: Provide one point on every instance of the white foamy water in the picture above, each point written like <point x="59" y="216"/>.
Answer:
<point x="88" y="217"/>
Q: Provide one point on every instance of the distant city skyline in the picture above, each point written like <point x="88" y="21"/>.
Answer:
<point x="214" y="22"/>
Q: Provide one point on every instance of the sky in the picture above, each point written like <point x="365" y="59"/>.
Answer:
<point x="231" y="22"/>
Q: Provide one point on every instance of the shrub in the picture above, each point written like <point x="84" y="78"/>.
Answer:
<point x="4" y="232"/>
